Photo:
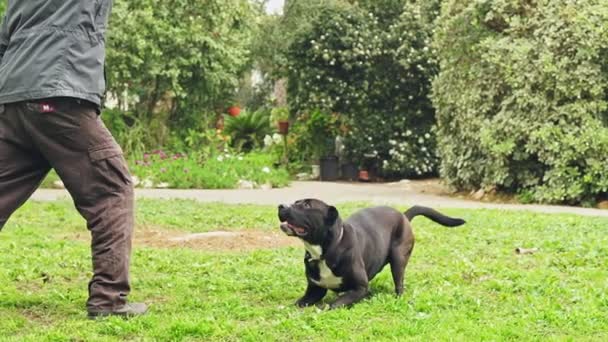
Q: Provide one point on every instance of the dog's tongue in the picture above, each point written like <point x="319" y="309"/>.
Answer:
<point x="297" y="229"/>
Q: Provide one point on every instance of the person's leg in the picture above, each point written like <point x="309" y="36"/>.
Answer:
<point x="22" y="169"/>
<point x="72" y="137"/>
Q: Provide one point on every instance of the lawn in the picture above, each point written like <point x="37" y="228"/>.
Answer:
<point x="462" y="284"/>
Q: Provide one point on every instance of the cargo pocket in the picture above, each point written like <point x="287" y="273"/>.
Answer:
<point x="109" y="161"/>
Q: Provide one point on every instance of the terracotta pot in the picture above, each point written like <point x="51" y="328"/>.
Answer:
<point x="364" y="175"/>
<point x="234" y="111"/>
<point x="283" y="127"/>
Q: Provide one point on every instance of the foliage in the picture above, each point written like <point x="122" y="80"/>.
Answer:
<point x="374" y="144"/>
<point x="275" y="34"/>
<point x="173" y="61"/>
<point x="129" y="132"/>
<point x="314" y="133"/>
<point x="375" y="70"/>
<point x="480" y="290"/>
<point x="247" y="130"/>
<point x="522" y="97"/>
<point x="279" y="114"/>
<point x="224" y="171"/>
<point x="207" y="143"/>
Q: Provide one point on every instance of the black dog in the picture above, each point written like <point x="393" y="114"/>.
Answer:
<point x="345" y="256"/>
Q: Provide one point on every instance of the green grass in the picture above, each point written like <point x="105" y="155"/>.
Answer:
<point x="462" y="284"/>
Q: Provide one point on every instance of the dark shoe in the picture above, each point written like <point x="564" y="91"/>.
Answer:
<point x="127" y="310"/>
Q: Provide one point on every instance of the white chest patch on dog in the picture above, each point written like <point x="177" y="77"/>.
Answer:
<point x="327" y="278"/>
<point x="314" y="251"/>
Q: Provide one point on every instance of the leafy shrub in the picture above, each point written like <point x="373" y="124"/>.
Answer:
<point x="522" y="97"/>
<point x="132" y="136"/>
<point x="373" y="66"/>
<point x="224" y="171"/>
<point x="374" y="143"/>
<point x="248" y="129"/>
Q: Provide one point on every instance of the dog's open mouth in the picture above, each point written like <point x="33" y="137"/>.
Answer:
<point x="290" y="229"/>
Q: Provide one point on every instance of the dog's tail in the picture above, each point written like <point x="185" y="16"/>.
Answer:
<point x="433" y="215"/>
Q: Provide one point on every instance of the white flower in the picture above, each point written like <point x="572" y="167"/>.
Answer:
<point x="277" y="138"/>
<point x="220" y="158"/>
<point x="268" y="140"/>
<point x="266" y="169"/>
<point x="427" y="136"/>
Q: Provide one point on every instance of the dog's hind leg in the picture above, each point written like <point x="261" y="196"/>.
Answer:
<point x="312" y="296"/>
<point x="358" y="291"/>
<point x="350" y="297"/>
<point x="399" y="257"/>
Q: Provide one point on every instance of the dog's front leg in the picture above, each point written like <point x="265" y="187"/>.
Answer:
<point x="312" y="296"/>
<point x="349" y="298"/>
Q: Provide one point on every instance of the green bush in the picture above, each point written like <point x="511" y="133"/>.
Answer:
<point x="522" y="97"/>
<point x="248" y="129"/>
<point x="373" y="66"/>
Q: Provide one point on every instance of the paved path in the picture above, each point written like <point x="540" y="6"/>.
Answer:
<point x="393" y="193"/>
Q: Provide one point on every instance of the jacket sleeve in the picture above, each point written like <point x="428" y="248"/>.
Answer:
<point x="4" y="38"/>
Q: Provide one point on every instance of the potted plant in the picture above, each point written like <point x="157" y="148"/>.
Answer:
<point x="365" y="174"/>
<point x="280" y="116"/>
<point x="234" y="110"/>
<point x="323" y="129"/>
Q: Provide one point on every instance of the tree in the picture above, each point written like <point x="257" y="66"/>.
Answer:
<point x="178" y="60"/>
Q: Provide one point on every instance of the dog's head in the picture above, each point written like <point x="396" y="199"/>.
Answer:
<point x="309" y="219"/>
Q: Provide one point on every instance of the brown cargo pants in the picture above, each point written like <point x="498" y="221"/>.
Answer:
<point x="69" y="136"/>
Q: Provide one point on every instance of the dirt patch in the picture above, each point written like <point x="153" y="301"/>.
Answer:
<point x="234" y="241"/>
<point x="238" y="241"/>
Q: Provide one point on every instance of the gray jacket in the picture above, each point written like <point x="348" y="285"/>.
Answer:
<point x="53" y="48"/>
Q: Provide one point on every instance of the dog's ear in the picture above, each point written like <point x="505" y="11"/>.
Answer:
<point x="331" y="216"/>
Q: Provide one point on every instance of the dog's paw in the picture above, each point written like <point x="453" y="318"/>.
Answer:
<point x="323" y="307"/>
<point x="303" y="304"/>
<point x="334" y="306"/>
